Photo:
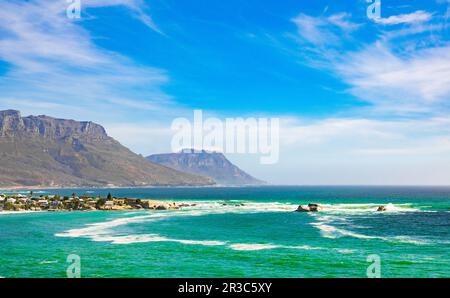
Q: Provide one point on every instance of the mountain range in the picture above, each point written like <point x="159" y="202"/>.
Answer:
<point x="48" y="152"/>
<point x="210" y="164"/>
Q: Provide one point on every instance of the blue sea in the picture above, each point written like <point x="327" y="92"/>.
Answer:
<point x="237" y="232"/>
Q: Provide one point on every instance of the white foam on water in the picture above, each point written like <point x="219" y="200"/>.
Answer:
<point x="18" y="212"/>
<point x="329" y="231"/>
<point x="346" y="251"/>
<point x="145" y="238"/>
<point x="325" y="224"/>
<point x="202" y="208"/>
<point x="219" y="207"/>
<point x="410" y="240"/>
<point x="337" y="213"/>
<point x="304" y="247"/>
<point x="48" y="262"/>
<point x="102" y="228"/>
<point x="241" y="246"/>
<point x="103" y="232"/>
<point x="367" y="208"/>
<point x="200" y="242"/>
<point x="257" y="246"/>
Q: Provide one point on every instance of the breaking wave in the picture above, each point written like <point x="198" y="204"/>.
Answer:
<point x="342" y="213"/>
<point x="255" y="246"/>
<point x="325" y="222"/>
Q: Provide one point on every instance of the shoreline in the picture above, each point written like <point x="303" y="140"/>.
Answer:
<point x="55" y="203"/>
<point x="32" y="188"/>
<point x="23" y="188"/>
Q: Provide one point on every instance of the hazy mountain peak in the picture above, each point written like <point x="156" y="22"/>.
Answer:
<point x="211" y="164"/>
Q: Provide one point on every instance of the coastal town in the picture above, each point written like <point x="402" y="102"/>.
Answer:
<point x="30" y="202"/>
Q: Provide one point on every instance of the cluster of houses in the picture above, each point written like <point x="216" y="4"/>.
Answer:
<point x="20" y="202"/>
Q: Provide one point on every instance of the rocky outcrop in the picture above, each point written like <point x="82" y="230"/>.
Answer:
<point x="49" y="152"/>
<point x="309" y="208"/>
<point x="157" y="205"/>
<point x="382" y="209"/>
<point x="210" y="164"/>
<point x="13" y="125"/>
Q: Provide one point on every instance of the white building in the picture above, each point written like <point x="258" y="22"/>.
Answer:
<point x="11" y="200"/>
<point x="43" y="203"/>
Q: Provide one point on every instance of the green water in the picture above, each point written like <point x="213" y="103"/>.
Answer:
<point x="263" y="238"/>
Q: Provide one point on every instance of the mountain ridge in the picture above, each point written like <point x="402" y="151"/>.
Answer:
<point x="206" y="163"/>
<point x="46" y="151"/>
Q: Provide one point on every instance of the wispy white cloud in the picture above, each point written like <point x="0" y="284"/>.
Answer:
<point x="322" y="31"/>
<point x="403" y="137"/>
<point x="361" y="133"/>
<point x="60" y="65"/>
<point x="361" y="151"/>
<point x="144" y="137"/>
<point x="137" y="8"/>
<point x="400" y="72"/>
<point x="419" y="16"/>
<point x="416" y="82"/>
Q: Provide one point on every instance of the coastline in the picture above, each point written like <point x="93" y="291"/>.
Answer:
<point x="56" y="203"/>
<point x="262" y="231"/>
<point x="27" y="188"/>
<point x="9" y="188"/>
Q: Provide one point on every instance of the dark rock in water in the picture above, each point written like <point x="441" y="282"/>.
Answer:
<point x="186" y="205"/>
<point x="314" y="207"/>
<point x="162" y="207"/>
<point x="381" y="209"/>
<point x="303" y="209"/>
<point x="309" y="208"/>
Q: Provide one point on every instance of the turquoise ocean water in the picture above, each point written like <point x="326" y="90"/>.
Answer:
<point x="215" y="238"/>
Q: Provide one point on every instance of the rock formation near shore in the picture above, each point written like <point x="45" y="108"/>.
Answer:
<point x="309" y="208"/>
<point x="49" y="152"/>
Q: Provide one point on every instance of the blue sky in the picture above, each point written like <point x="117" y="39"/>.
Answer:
<point x="361" y="101"/>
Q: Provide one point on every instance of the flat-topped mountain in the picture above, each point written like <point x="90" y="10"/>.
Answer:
<point x="44" y="151"/>
<point x="211" y="164"/>
<point x="13" y="125"/>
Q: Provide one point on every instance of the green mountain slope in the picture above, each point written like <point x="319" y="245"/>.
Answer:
<point x="44" y="151"/>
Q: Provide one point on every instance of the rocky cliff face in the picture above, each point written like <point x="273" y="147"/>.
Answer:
<point x="210" y="164"/>
<point x="44" y="151"/>
<point x="13" y="125"/>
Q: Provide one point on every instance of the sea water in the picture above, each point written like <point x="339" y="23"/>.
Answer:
<point x="237" y="232"/>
